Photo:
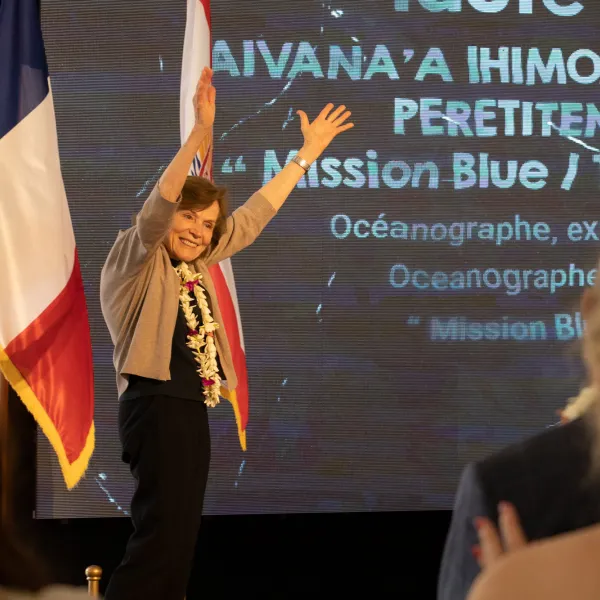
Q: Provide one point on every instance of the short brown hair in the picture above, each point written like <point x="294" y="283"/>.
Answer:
<point x="199" y="193"/>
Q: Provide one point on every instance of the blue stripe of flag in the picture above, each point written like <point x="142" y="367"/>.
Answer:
<point x="23" y="66"/>
<point x="196" y="165"/>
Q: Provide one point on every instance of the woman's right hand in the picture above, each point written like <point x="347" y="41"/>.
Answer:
<point x="204" y="101"/>
<point x="172" y="180"/>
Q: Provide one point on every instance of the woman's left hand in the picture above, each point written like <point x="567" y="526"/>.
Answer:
<point x="320" y="133"/>
<point x="493" y="544"/>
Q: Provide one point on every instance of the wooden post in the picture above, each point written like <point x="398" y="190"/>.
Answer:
<point x="93" y="574"/>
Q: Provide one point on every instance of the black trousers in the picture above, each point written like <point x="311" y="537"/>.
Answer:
<point x="166" y="442"/>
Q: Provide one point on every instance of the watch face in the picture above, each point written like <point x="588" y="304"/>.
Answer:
<point x="300" y="161"/>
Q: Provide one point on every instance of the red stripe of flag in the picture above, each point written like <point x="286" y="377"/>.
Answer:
<point x="206" y="6"/>
<point x="233" y="335"/>
<point x="53" y="355"/>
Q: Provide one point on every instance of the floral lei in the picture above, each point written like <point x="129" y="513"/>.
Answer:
<point x="200" y="339"/>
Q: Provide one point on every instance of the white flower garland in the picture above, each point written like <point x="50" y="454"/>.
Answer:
<point x="200" y="339"/>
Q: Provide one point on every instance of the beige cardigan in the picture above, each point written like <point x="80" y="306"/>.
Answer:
<point x="139" y="289"/>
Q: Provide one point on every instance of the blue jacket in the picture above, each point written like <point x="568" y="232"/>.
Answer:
<point x="546" y="477"/>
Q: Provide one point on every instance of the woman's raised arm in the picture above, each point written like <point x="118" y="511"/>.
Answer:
<point x="247" y="222"/>
<point x="172" y="180"/>
<point x="317" y="136"/>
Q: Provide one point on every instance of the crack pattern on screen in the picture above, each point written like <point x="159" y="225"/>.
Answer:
<point x="265" y="106"/>
<point x="101" y="479"/>
<point x="571" y="138"/>
<point x="290" y="117"/>
<point x="329" y="11"/>
<point x="151" y="181"/>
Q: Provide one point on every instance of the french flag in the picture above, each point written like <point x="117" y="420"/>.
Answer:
<point x="45" y="345"/>
<point x="196" y="56"/>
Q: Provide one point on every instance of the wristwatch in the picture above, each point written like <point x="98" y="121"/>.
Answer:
<point x="301" y="162"/>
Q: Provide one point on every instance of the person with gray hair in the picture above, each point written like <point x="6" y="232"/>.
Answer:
<point x="551" y="479"/>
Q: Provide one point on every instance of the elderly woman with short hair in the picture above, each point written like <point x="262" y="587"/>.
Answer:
<point x="171" y="350"/>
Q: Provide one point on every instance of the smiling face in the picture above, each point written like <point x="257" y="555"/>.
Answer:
<point x="191" y="232"/>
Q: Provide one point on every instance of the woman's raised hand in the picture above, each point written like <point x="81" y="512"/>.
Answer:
<point x="204" y="101"/>
<point x="320" y="133"/>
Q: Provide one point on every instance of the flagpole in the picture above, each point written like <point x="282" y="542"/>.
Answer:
<point x="18" y="432"/>
<point x="5" y="511"/>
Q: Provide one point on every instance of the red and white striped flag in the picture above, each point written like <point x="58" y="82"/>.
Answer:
<point x="45" y="346"/>
<point x="196" y="56"/>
